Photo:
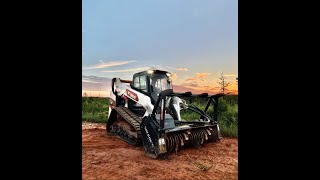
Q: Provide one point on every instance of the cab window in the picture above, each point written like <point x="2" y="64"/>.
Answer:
<point x="139" y="82"/>
<point x="143" y="83"/>
<point x="136" y="82"/>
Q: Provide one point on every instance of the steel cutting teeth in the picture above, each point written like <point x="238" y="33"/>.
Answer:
<point x="194" y="137"/>
<point x="181" y="139"/>
<point x="186" y="136"/>
<point x="208" y="132"/>
<point x="205" y="135"/>
<point x="176" y="142"/>
<point x="171" y="143"/>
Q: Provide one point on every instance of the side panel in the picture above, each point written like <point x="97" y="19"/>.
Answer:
<point x="136" y="96"/>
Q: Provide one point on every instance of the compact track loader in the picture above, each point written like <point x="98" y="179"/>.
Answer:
<point x="146" y="111"/>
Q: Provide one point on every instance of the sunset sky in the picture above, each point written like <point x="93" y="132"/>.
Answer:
<point x="194" y="40"/>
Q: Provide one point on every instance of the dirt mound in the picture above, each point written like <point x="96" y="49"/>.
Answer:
<point x="108" y="157"/>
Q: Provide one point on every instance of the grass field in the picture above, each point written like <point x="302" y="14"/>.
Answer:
<point x="95" y="109"/>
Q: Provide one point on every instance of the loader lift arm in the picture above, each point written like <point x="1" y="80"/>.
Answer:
<point x="214" y="99"/>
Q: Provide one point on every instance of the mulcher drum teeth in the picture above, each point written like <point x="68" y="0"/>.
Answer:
<point x="196" y="137"/>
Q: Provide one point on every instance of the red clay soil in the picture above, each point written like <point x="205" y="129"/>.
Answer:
<point x="108" y="157"/>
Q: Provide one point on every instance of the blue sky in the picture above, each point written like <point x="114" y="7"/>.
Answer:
<point x="185" y="37"/>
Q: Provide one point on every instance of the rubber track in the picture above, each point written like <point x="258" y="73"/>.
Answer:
<point x="133" y="120"/>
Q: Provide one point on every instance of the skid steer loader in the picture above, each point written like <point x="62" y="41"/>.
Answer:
<point x="146" y="111"/>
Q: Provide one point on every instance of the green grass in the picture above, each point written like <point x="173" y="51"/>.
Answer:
<point x="227" y="116"/>
<point x="95" y="109"/>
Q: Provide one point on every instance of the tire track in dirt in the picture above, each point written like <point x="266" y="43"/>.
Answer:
<point x="108" y="157"/>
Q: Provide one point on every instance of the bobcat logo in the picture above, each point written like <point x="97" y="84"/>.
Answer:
<point x="132" y="95"/>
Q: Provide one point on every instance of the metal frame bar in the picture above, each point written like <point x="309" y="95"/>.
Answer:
<point x="169" y="92"/>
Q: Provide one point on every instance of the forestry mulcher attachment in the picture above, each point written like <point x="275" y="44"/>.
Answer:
<point x="147" y="112"/>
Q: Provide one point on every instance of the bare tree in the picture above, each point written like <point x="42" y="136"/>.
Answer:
<point x="85" y="94"/>
<point x="237" y="79"/>
<point x="223" y="83"/>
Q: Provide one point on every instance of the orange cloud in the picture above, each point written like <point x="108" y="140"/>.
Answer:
<point x="232" y="88"/>
<point x="190" y="84"/>
<point x="182" y="69"/>
<point x="174" y="76"/>
<point x="209" y="90"/>
<point x="230" y="75"/>
<point x="195" y="90"/>
<point x="109" y="64"/>
<point x="128" y="70"/>
<point x="198" y="76"/>
<point x="199" y="86"/>
<point x="179" y="68"/>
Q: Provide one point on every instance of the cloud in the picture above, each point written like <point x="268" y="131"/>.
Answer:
<point x="128" y="70"/>
<point x="180" y="88"/>
<point x="190" y="84"/>
<point x="179" y="68"/>
<point x="194" y="90"/>
<point x="174" y="76"/>
<point x="198" y="76"/>
<point x="182" y="69"/>
<point x="95" y="83"/>
<point x="88" y="81"/>
<point x="198" y="86"/>
<point x="108" y="64"/>
<point x="95" y="79"/>
<point x="230" y="75"/>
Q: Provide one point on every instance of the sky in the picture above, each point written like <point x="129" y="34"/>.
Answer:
<point x="194" y="40"/>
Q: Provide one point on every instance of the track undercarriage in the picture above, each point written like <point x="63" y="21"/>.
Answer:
<point x="126" y="125"/>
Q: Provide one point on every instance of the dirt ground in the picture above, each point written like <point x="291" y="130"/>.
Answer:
<point x="108" y="157"/>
